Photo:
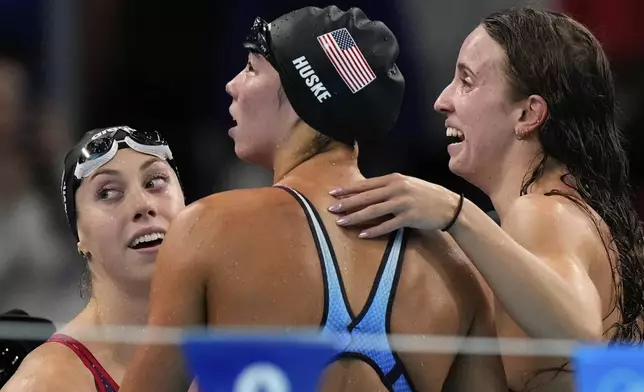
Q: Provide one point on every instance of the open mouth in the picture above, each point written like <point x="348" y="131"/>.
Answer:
<point x="454" y="135"/>
<point x="147" y="241"/>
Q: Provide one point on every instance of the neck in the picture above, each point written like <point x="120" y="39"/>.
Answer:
<point x="337" y="167"/>
<point x="297" y="154"/>
<point x="110" y="307"/>
<point x="505" y="187"/>
<point x="116" y="306"/>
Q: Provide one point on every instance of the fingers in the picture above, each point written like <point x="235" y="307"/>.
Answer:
<point x="386" y="227"/>
<point x="366" y="214"/>
<point x="361" y="200"/>
<point x="364" y="185"/>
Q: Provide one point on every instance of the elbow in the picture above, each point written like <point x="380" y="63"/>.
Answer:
<point x="596" y="334"/>
<point x="588" y="325"/>
<point x="592" y="330"/>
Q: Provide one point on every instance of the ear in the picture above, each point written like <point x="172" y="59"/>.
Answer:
<point x="533" y="115"/>
<point x="83" y="252"/>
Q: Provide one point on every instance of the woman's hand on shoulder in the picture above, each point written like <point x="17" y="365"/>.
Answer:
<point x="402" y="201"/>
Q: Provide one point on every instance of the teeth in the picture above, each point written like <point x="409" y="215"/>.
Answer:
<point x="453" y="132"/>
<point x="147" y="238"/>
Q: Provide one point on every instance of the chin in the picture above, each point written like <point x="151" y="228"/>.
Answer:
<point x="253" y="155"/>
<point x="146" y="258"/>
<point x="140" y="279"/>
<point x="462" y="169"/>
<point x="456" y="166"/>
<point x="471" y="174"/>
<point x="242" y="153"/>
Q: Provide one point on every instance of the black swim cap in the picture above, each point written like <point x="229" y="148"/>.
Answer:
<point x="94" y="150"/>
<point x="337" y="68"/>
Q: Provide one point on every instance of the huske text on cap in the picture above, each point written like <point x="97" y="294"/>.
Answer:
<point x="311" y="79"/>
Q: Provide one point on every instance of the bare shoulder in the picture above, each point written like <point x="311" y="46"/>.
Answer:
<point x="50" y="367"/>
<point x="549" y="212"/>
<point x="222" y="207"/>
<point x="228" y="218"/>
<point x="536" y="219"/>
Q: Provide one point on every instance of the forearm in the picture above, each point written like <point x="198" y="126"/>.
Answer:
<point x="540" y="301"/>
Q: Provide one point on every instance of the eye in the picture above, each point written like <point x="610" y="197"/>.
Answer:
<point x="108" y="194"/>
<point x="249" y="67"/>
<point x="466" y="81"/>
<point x="156" y="181"/>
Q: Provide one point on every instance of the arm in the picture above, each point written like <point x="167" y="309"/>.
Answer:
<point x="178" y="299"/>
<point x="537" y="265"/>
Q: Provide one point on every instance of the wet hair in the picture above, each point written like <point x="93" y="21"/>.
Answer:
<point x="85" y="284"/>
<point x="557" y="58"/>
<point x="321" y="143"/>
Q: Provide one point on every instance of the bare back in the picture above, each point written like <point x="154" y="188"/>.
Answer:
<point x="269" y="272"/>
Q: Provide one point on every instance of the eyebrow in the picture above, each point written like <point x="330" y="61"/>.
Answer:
<point x="464" y="68"/>
<point x="113" y="172"/>
<point x="256" y="58"/>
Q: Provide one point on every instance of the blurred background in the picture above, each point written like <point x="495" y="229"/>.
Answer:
<point x="67" y="66"/>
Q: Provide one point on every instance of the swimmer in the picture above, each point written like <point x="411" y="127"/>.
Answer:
<point x="531" y="110"/>
<point x="121" y="190"/>
<point x="317" y="81"/>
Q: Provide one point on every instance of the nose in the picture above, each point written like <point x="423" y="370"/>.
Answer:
<point x="144" y="206"/>
<point x="444" y="102"/>
<point x="231" y="87"/>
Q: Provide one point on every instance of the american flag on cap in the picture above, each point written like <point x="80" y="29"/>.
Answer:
<point x="347" y="59"/>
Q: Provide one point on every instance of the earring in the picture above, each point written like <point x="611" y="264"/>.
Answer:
<point x="520" y="135"/>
